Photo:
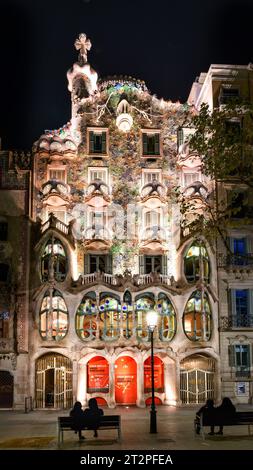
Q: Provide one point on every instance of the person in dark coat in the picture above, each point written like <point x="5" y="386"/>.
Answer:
<point x="92" y="415"/>
<point x="78" y="419"/>
<point x="224" y="411"/>
<point x="207" y="409"/>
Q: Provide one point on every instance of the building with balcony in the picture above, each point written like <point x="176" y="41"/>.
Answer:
<point x="107" y="245"/>
<point x="217" y="87"/>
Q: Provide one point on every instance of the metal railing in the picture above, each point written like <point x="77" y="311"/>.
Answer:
<point x="236" y="321"/>
<point x="226" y="260"/>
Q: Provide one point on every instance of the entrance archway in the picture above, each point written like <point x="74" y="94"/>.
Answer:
<point x="197" y="379"/>
<point x="6" y="389"/>
<point x="125" y="381"/>
<point x="53" y="387"/>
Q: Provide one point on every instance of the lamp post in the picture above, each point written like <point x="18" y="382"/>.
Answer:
<point x="152" y="322"/>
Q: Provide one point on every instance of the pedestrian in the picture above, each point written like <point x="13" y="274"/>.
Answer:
<point x="92" y="415"/>
<point x="78" y="419"/>
<point x="207" y="409"/>
<point x="223" y="412"/>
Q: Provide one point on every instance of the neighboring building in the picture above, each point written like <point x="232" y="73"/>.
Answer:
<point x="14" y="277"/>
<point x="235" y="269"/>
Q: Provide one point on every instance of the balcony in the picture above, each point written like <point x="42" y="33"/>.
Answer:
<point x="118" y="280"/>
<point x="236" y="322"/>
<point x="242" y="372"/>
<point x="238" y="261"/>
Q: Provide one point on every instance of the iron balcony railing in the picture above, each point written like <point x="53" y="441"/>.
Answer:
<point x="236" y="321"/>
<point x="227" y="260"/>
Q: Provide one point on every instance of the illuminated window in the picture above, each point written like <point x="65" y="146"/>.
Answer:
<point x="239" y="357"/>
<point x="167" y="318"/>
<point x="189" y="178"/>
<point x="150" y="175"/>
<point x="150" y="144"/>
<point x="109" y="317"/>
<point x="98" y="173"/>
<point x="86" y="318"/>
<point x="197" y="317"/>
<point x="57" y="174"/>
<point x="54" y="258"/>
<point x="127" y="315"/>
<point x="97" y="142"/>
<point x="53" y="316"/>
<point x="196" y="263"/>
<point x="143" y="305"/>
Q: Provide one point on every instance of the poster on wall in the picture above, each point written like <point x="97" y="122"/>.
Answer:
<point x="158" y="376"/>
<point x="98" y="376"/>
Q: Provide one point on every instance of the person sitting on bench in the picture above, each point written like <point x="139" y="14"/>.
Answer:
<point x="225" y="411"/>
<point x="207" y="409"/>
<point x="78" y="419"/>
<point x="92" y="415"/>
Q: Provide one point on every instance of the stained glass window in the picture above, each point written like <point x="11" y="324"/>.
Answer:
<point x="86" y="318"/>
<point x="196" y="263"/>
<point x="197" y="317"/>
<point x="143" y="306"/>
<point x="53" y="316"/>
<point x="167" y="318"/>
<point x="109" y="309"/>
<point x="54" y="258"/>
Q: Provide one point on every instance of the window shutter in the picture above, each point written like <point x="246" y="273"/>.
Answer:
<point x="249" y="244"/>
<point x="250" y="302"/>
<point x="103" y="142"/>
<point x="141" y="264"/>
<point x="231" y="356"/>
<point x="248" y="355"/>
<point x="164" y="265"/>
<point x="109" y="264"/>
<point x="145" y="144"/>
<point x="157" y="144"/>
<point x="180" y="137"/>
<point x="230" y="241"/>
<point x="86" y="264"/>
<point x="232" y="302"/>
<point x="91" y="137"/>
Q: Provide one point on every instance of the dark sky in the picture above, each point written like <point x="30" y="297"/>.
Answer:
<point x="167" y="43"/>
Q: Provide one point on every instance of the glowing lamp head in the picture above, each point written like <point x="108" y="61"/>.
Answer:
<point x="151" y="319"/>
<point x="124" y="122"/>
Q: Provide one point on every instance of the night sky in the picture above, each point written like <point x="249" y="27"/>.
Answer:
<point x="167" y="43"/>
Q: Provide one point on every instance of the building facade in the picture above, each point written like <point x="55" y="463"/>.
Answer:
<point x="234" y="267"/>
<point x="107" y="246"/>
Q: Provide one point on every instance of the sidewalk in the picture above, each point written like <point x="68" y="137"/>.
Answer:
<point x="38" y="430"/>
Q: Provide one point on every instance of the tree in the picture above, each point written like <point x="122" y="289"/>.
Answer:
<point x="223" y="139"/>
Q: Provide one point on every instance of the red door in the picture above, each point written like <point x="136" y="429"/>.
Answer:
<point x="158" y="375"/>
<point x="98" y="375"/>
<point x="125" y="381"/>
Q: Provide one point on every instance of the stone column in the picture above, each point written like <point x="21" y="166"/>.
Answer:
<point x="140" y="382"/>
<point x="74" y="380"/>
<point x="111" y="400"/>
<point x="82" y="384"/>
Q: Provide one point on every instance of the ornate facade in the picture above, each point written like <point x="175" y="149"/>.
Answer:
<point x="107" y="246"/>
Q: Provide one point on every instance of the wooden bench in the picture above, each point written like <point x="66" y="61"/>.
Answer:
<point x="240" y="418"/>
<point x="65" y="423"/>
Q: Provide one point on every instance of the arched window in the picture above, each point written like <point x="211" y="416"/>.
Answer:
<point x="54" y="261"/>
<point x="109" y="317"/>
<point x="197" y="317"/>
<point x="196" y="263"/>
<point x="53" y="316"/>
<point x="143" y="305"/>
<point x="86" y="318"/>
<point x="127" y="315"/>
<point x="167" y="314"/>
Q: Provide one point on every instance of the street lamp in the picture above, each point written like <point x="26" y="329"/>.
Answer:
<point x="152" y="322"/>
